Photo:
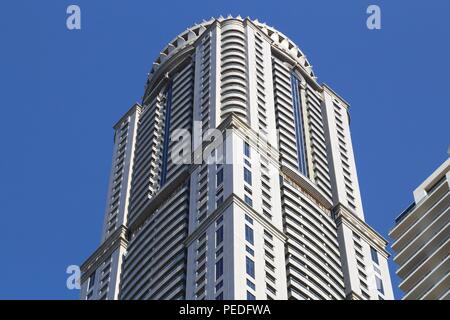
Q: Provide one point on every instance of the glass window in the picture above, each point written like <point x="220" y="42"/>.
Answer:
<point x="91" y="281"/>
<point x="219" y="296"/>
<point x="250" y="250"/>
<point x="299" y="130"/>
<point x="250" y="284"/>
<point x="219" y="268"/>
<point x="374" y="254"/>
<point x="219" y="285"/>
<point x="219" y="236"/>
<point x="377" y="270"/>
<point x="248" y="219"/>
<point x="219" y="251"/>
<point x="247" y="149"/>
<point x="250" y="296"/>
<point x="248" y="200"/>
<point x="219" y="177"/>
<point x="248" y="176"/>
<point x="250" y="267"/>
<point x="379" y="284"/>
<point x="249" y="234"/>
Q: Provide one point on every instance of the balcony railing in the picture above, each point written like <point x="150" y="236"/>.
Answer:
<point x="405" y="213"/>
<point x="412" y="206"/>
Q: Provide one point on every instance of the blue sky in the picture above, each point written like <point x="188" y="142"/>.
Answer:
<point x="63" y="90"/>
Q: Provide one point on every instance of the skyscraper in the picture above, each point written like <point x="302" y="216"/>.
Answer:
<point x="422" y="241"/>
<point x="280" y="218"/>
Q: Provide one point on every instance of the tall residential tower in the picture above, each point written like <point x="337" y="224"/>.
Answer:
<point x="422" y="240"/>
<point x="281" y="218"/>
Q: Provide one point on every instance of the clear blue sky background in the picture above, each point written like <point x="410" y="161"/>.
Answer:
<point x="61" y="92"/>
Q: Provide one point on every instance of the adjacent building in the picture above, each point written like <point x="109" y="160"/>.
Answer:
<point x="422" y="240"/>
<point x="281" y="218"/>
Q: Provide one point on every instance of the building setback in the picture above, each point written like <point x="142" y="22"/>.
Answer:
<point x="281" y="219"/>
<point x="422" y="241"/>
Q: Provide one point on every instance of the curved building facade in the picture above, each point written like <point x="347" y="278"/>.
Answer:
<point x="280" y="218"/>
